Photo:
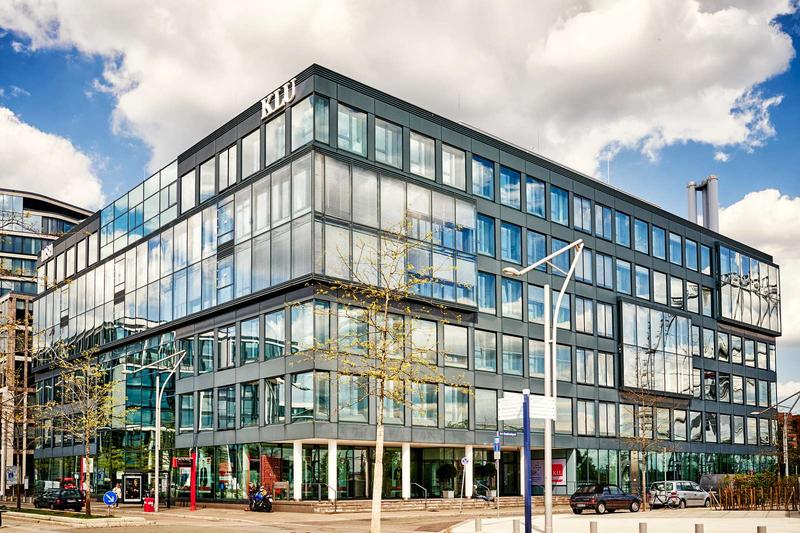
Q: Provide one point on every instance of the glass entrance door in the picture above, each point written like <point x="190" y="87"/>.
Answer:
<point x="509" y="474"/>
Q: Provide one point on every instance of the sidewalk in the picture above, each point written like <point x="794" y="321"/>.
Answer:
<point x="661" y="521"/>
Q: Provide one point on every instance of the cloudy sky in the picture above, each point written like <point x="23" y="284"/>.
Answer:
<point x="658" y="93"/>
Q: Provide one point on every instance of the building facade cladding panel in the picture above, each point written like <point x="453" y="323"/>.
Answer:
<point x="189" y="270"/>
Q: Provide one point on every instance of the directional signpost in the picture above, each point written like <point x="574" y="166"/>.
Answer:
<point x="110" y="499"/>
<point x="514" y="406"/>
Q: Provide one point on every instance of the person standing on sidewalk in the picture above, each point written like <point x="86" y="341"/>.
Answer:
<point x="118" y="492"/>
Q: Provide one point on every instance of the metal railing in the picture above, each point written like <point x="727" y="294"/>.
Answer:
<point x="424" y="491"/>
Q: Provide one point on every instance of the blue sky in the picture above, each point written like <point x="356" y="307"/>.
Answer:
<point x="104" y="96"/>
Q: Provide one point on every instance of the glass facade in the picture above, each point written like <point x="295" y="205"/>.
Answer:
<point x="223" y="260"/>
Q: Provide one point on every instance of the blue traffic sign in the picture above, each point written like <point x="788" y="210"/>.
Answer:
<point x="110" y="498"/>
<point x="497" y="444"/>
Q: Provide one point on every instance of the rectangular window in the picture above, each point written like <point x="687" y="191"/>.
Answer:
<point x="627" y="424"/>
<point x="584" y="315"/>
<point x="422" y="156"/>
<point x="485" y="350"/>
<point x="692" y="297"/>
<point x="251" y="153"/>
<point x="622" y="229"/>
<point x="623" y="276"/>
<point x="482" y="177"/>
<point x="485" y="409"/>
<point x="560" y="262"/>
<point x="676" y="293"/>
<point x="274" y="400"/>
<point x="640" y="236"/>
<point x="602" y="221"/>
<point x="709" y="350"/>
<point x="607" y="419"/>
<point x="586" y="418"/>
<point x="487" y="299"/>
<point x="227" y="167"/>
<point x="659" y="287"/>
<point x="310" y="396"/>
<point x="738" y="430"/>
<point x="454" y="167"/>
<point x="512" y="355"/>
<point x="511" y="290"/>
<point x="708" y="301"/>
<point x="275" y="139"/>
<point x="388" y="143"/>
<point x="705" y="260"/>
<point x="605" y="320"/>
<point x="535" y="196"/>
<point x="226" y="408"/>
<point x="206" y="352"/>
<point x="659" y="243"/>
<point x="485" y="230"/>
<point x="584" y="269"/>
<point x="604" y="271"/>
<point x="186" y="409"/>
<point x="207" y="180"/>
<point x="724" y="384"/>
<point x="582" y="213"/>
<point x="559" y="205"/>
<point x="226" y="347"/>
<point x="249" y="404"/>
<point x="509" y="187"/>
<point x="563" y="362"/>
<point x="536" y="358"/>
<point x="302" y="123"/>
<point x="535" y="304"/>
<point x="456" y="408"/>
<point x="510" y="242"/>
<point x="353" y="398"/>
<point x="584" y="366"/>
<point x="537" y="248"/>
<point x="605" y="369"/>
<point x="352" y="130"/>
<point x="455" y="346"/>
<point x="394" y="404"/>
<point x="188" y="191"/>
<point x="206" y="419"/>
<point x="248" y="340"/>
<point x="752" y="431"/>
<point x="691" y="254"/>
<point x="425" y="402"/>
<point x="675" y="249"/>
<point x="642" y="282"/>
<point x="563" y="423"/>
<point x="737" y="389"/>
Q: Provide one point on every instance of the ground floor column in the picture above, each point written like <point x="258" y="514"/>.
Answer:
<point x="405" y="470"/>
<point x="297" y="466"/>
<point x="521" y="471"/>
<point x="468" y="472"/>
<point x="333" y="462"/>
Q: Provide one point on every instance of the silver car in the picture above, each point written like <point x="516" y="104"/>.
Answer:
<point x="684" y="493"/>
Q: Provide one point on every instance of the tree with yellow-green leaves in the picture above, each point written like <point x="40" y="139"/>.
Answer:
<point x="386" y="349"/>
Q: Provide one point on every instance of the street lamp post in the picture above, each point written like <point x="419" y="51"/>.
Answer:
<point x="160" y="366"/>
<point x="550" y="391"/>
<point x="786" y="413"/>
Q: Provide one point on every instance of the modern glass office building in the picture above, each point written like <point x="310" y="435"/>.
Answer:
<point x="219" y="254"/>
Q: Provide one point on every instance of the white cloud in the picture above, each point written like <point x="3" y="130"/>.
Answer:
<point x="38" y="161"/>
<point x="786" y="389"/>
<point x="721" y="156"/>
<point x="569" y="77"/>
<point x="18" y="91"/>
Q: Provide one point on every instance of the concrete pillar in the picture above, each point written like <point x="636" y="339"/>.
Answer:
<point x="468" y="472"/>
<point x="332" y="470"/>
<point x="405" y="470"/>
<point x="521" y="470"/>
<point x="297" y="466"/>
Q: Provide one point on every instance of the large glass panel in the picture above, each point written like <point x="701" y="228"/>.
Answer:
<point x="248" y="340"/>
<point x="275" y="139"/>
<point x="249" y="404"/>
<point x="455" y="345"/>
<point x="352" y="130"/>
<point x="559" y="205"/>
<point x="251" y="154"/>
<point x="274" y="334"/>
<point x="456" y="408"/>
<point x="510" y="242"/>
<point x="424" y="401"/>
<point x="302" y="122"/>
<point x="509" y="187"/>
<point x="512" y="355"/>
<point x="275" y="400"/>
<point x="454" y="166"/>
<point x="535" y="196"/>
<point x="485" y="409"/>
<point x="337" y="188"/>
<point x="485" y="350"/>
<point x="622" y="229"/>
<point x="675" y="249"/>
<point x="365" y="197"/>
<point x="422" y="156"/>
<point x="353" y="398"/>
<point x="207" y="180"/>
<point x="659" y="243"/>
<point x="482" y="177"/>
<point x="487" y="293"/>
<point x="388" y="143"/>
<point x="485" y="235"/>
<point x="640" y="236"/>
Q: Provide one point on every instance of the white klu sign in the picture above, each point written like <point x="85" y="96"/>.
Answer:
<point x="509" y="407"/>
<point x="272" y="102"/>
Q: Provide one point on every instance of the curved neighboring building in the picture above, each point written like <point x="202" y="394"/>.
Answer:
<point x="29" y="222"/>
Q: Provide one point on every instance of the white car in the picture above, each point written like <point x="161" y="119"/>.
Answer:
<point x="684" y="493"/>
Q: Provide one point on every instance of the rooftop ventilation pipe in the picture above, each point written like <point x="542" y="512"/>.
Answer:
<point x="709" y="189"/>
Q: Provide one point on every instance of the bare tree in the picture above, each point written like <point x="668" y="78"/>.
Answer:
<point x="384" y="349"/>
<point x="86" y="405"/>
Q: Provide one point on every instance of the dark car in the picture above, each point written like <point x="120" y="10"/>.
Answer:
<point x="59" y="499"/>
<point x="601" y="498"/>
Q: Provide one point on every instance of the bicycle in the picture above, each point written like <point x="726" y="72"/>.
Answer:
<point x="671" y="502"/>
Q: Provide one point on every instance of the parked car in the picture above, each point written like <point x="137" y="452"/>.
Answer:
<point x="601" y="498"/>
<point x="687" y="494"/>
<point x="59" y="499"/>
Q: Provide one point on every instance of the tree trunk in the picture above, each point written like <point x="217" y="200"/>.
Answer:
<point x="87" y="475"/>
<point x="645" y="503"/>
<point x="377" y="473"/>
<point x="20" y="477"/>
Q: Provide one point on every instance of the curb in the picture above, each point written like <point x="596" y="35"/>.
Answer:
<point x="81" y="523"/>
